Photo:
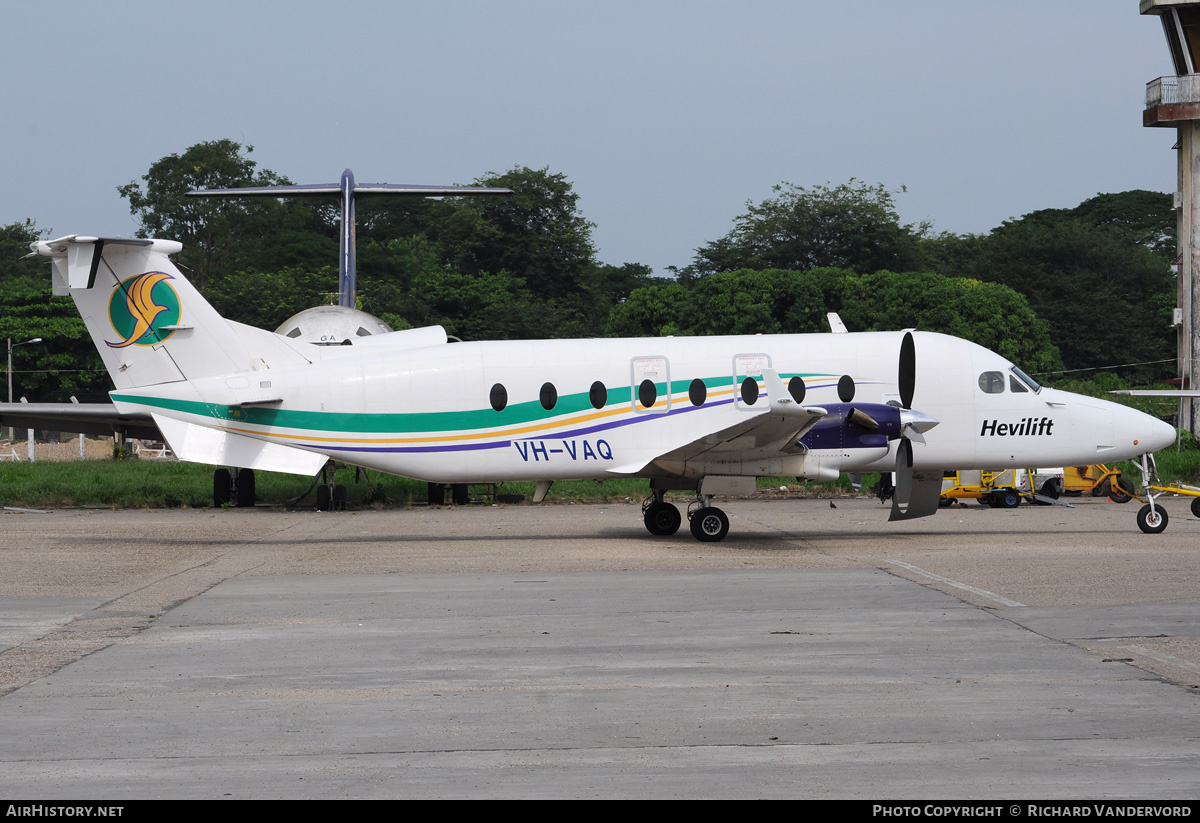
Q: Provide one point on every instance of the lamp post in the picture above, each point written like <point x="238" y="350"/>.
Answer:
<point x="11" y="346"/>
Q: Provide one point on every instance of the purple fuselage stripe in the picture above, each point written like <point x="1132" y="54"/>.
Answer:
<point x="501" y="444"/>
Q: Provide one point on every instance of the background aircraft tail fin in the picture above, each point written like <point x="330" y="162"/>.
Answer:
<point x="148" y="322"/>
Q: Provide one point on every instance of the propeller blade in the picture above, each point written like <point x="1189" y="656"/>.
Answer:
<point x="904" y="473"/>
<point x="907" y="378"/>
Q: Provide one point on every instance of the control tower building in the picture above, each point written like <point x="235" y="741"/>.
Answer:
<point x="1174" y="102"/>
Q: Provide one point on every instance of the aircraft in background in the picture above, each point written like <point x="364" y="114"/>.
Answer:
<point x="702" y="414"/>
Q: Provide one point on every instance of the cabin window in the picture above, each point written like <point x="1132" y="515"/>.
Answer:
<point x="796" y="388"/>
<point x="598" y="394"/>
<point x="992" y="382"/>
<point x="846" y="388"/>
<point x="750" y="391"/>
<point x="697" y="392"/>
<point x="548" y="396"/>
<point x="499" y="397"/>
<point x="647" y="394"/>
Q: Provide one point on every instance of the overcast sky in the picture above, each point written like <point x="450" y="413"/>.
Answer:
<point x="666" y="116"/>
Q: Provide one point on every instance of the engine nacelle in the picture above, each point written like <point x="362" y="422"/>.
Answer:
<point x="850" y="427"/>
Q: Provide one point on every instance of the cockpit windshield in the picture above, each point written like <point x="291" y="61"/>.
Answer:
<point x="1027" y="380"/>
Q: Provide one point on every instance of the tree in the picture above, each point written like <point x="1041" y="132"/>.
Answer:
<point x="1147" y="218"/>
<point x="775" y="301"/>
<point x="851" y="226"/>
<point x="537" y="233"/>
<point x="1105" y="295"/>
<point x="221" y="235"/>
<point x="65" y="362"/>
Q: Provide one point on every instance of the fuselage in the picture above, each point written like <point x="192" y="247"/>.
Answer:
<point x="559" y="409"/>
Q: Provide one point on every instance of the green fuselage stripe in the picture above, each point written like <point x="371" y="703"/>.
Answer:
<point x="383" y="422"/>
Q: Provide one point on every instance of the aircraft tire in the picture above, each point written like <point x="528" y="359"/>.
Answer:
<point x="339" y="498"/>
<point x="1121" y="491"/>
<point x="222" y="488"/>
<point x="1152" y="522"/>
<point x="245" y="488"/>
<point x="663" y="519"/>
<point x="323" y="497"/>
<point x="709" y="525"/>
<point x="1196" y="506"/>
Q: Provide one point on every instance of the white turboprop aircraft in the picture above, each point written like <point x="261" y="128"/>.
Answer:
<point x="707" y="414"/>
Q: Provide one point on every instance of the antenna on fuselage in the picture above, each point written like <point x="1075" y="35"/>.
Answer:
<point x="347" y="190"/>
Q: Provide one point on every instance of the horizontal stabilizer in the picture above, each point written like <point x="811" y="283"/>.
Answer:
<point x="83" y="418"/>
<point x="198" y="444"/>
<point x="360" y="189"/>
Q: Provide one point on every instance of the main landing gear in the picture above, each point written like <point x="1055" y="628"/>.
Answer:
<point x="234" y="486"/>
<point x="708" y="524"/>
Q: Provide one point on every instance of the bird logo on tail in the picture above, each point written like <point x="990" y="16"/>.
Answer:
<point x="139" y="309"/>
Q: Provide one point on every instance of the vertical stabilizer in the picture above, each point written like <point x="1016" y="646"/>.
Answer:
<point x="148" y="322"/>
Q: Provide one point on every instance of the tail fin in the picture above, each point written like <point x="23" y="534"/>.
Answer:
<point x="148" y="322"/>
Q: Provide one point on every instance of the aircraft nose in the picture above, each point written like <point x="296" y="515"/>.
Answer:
<point x="1159" y="436"/>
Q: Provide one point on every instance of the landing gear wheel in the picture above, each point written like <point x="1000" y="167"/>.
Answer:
<point x="222" y="488"/>
<point x="1121" y="490"/>
<point x="663" y="519"/>
<point x="339" y="498"/>
<point x="1152" y="521"/>
<point x="1005" y="500"/>
<point x="459" y="493"/>
<point x="709" y="525"/>
<point x="1196" y="507"/>
<point x="245" y="488"/>
<point x="323" y="497"/>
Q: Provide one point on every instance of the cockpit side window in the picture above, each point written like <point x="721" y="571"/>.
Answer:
<point x="992" y="382"/>
<point x="1033" y="385"/>
<point x="1015" y="385"/>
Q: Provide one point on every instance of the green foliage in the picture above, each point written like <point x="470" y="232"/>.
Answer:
<point x="1080" y="278"/>
<point x="774" y="302"/>
<point x="851" y="226"/>
<point x="221" y="235"/>
<point x="1145" y="217"/>
<point x="651" y="311"/>
<point x="537" y="233"/>
<point x="471" y="308"/>
<point x="64" y="363"/>
<point x="265" y="299"/>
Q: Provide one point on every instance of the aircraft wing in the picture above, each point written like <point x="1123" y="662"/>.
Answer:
<point x="770" y="434"/>
<point x="765" y="435"/>
<point x="86" y="418"/>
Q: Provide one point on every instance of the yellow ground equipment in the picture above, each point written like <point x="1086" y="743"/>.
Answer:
<point x="1098" y="480"/>
<point x="998" y="489"/>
